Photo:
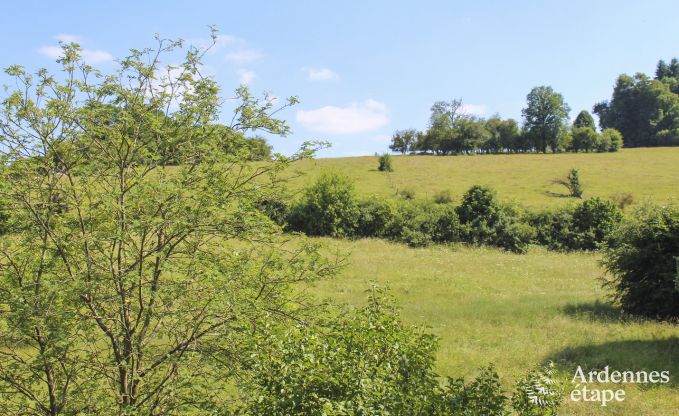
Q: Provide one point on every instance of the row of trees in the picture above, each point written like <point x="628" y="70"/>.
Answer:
<point x="451" y="131"/>
<point x="645" y="109"/>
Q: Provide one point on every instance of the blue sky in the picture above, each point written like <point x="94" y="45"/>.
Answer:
<point x="364" y="69"/>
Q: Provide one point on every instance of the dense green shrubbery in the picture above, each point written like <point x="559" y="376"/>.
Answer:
<point x="329" y="207"/>
<point x="367" y="362"/>
<point x="485" y="221"/>
<point x="643" y="258"/>
<point x="385" y="163"/>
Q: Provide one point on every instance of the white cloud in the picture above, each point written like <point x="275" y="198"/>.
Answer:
<point x="52" y="52"/>
<point x="361" y="117"/>
<point x="474" y="109"/>
<point x="320" y="74"/>
<point x="91" y="56"/>
<point x="246" y="76"/>
<point x="243" y="56"/>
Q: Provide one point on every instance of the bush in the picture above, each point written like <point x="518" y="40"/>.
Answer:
<point x="613" y="138"/>
<point x="407" y="193"/>
<point x="328" y="208"/>
<point x="642" y="257"/>
<point x="377" y="217"/>
<point x="572" y="183"/>
<point x="364" y="362"/>
<point x="593" y="221"/>
<point x="483" y="396"/>
<point x="538" y="393"/>
<point x="443" y="197"/>
<point x="422" y="223"/>
<point x="385" y="163"/>
<point x="622" y="199"/>
<point x="553" y="229"/>
<point x="485" y="221"/>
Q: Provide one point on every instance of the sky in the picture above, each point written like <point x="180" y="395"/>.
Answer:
<point x="364" y="69"/>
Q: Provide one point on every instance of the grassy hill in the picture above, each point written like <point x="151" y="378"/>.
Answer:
<point x="516" y="311"/>
<point x="648" y="174"/>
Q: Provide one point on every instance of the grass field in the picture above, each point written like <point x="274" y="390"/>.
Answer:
<point x="649" y="174"/>
<point x="516" y="311"/>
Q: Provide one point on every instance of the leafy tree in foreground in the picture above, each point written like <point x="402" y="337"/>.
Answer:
<point x="544" y="116"/>
<point x="127" y="285"/>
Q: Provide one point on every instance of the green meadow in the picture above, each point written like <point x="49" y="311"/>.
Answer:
<point x="649" y="174"/>
<point x="515" y="311"/>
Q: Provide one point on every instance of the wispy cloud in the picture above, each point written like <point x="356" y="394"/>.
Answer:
<point x="91" y="56"/>
<point x="246" y="76"/>
<point x="320" y="74"/>
<point x="243" y="56"/>
<point x="362" y="117"/>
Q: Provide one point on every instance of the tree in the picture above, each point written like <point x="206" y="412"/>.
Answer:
<point x="644" y="110"/>
<point x="614" y="138"/>
<point x="128" y="285"/>
<point x="385" y="163"/>
<point x="544" y="116"/>
<point x="584" y="119"/>
<point x="404" y="141"/>
<point x="584" y="138"/>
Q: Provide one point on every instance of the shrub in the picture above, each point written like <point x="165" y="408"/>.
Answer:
<point x="613" y="138"/>
<point x="553" y="229"/>
<point x="328" y="207"/>
<point x="538" y="393"/>
<point x="642" y="257"/>
<point x="572" y="183"/>
<point x="385" y="163"/>
<point x="483" y="396"/>
<point x="485" y="221"/>
<point x="407" y="193"/>
<point x="593" y="221"/>
<point x="377" y="217"/>
<point x="274" y="207"/>
<point x="622" y="199"/>
<point x="364" y="362"/>
<point x="422" y="223"/>
<point x="443" y="197"/>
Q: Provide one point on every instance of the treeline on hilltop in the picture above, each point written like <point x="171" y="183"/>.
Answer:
<point x="642" y="112"/>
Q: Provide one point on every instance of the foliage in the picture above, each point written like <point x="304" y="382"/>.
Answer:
<point x="443" y="197"/>
<point x="407" y="193"/>
<point x="385" y="163"/>
<point x="485" y="221"/>
<point x="130" y="286"/>
<point x="539" y="393"/>
<point x="404" y="141"/>
<point x="642" y="258"/>
<point x="584" y="138"/>
<point x="584" y="119"/>
<point x="328" y="207"/>
<point x="622" y="199"/>
<point x="613" y="139"/>
<point x="593" y="222"/>
<point x="544" y="116"/>
<point x="572" y="183"/>
<point x="483" y="396"/>
<point x="644" y="110"/>
<point x="377" y="217"/>
<point x="422" y="223"/>
<point x="363" y="362"/>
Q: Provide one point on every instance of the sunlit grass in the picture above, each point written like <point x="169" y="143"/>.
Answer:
<point x="649" y="174"/>
<point x="515" y="311"/>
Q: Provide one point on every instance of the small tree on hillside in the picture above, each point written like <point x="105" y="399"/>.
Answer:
<point x="404" y="141"/>
<point x="572" y="183"/>
<point x="385" y="163"/>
